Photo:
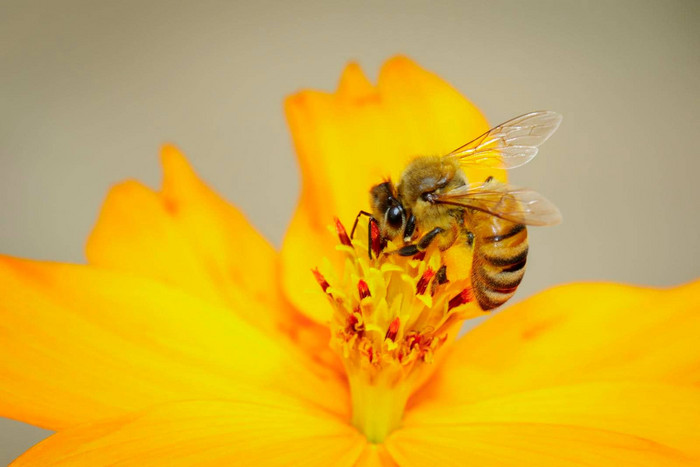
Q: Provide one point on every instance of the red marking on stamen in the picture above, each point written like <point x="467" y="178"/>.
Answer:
<point x="420" y="256"/>
<point x="465" y="296"/>
<point x="342" y="233"/>
<point x="419" y="343"/>
<point x="354" y="324"/>
<point x="363" y="289"/>
<point x="320" y="279"/>
<point x="414" y="339"/>
<point x="376" y="237"/>
<point x="423" y="282"/>
<point x="393" y="329"/>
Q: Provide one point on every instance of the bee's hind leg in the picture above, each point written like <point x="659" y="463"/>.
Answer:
<point x="422" y="245"/>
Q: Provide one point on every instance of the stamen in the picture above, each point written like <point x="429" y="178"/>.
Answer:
<point x="462" y="298"/>
<point x="376" y="238"/>
<point x="393" y="329"/>
<point x="422" y="284"/>
<point x="320" y="279"/>
<point x="354" y="323"/>
<point x="342" y="233"/>
<point x="363" y="289"/>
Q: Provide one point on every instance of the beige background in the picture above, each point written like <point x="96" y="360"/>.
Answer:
<point x="89" y="90"/>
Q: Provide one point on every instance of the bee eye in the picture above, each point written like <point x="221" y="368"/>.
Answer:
<point x="394" y="216"/>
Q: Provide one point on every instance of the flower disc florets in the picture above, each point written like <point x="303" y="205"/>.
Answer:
<point x="393" y="314"/>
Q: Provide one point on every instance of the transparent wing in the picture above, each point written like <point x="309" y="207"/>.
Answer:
<point x="515" y="204"/>
<point x="510" y="144"/>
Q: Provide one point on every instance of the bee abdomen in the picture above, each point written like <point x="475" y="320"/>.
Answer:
<point x="499" y="266"/>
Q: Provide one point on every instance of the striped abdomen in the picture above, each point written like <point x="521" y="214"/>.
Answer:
<point x="500" y="254"/>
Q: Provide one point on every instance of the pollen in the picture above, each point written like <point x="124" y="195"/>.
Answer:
<point x="392" y="317"/>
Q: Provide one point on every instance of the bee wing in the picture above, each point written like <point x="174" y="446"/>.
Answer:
<point x="521" y="205"/>
<point x="510" y="144"/>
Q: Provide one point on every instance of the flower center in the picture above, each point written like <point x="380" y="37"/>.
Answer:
<point x="393" y="316"/>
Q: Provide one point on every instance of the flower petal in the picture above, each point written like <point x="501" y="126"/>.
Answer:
<point x="524" y="444"/>
<point x="352" y="139"/>
<point x="575" y="333"/>
<point x="188" y="236"/>
<point x="80" y="344"/>
<point x="375" y="455"/>
<point x="589" y="424"/>
<point x="258" y="430"/>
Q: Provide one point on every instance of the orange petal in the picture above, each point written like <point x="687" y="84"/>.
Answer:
<point x="188" y="236"/>
<point x="589" y="424"/>
<point x="257" y="430"/>
<point x="576" y="333"/>
<point x="81" y="343"/>
<point x="352" y="139"/>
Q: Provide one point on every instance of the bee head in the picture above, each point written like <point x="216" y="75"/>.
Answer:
<point x="388" y="210"/>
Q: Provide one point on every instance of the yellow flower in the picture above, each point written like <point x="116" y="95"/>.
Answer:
<point x="188" y="340"/>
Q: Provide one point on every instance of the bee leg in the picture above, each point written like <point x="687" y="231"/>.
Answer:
<point x="410" y="228"/>
<point x="423" y="243"/>
<point x="408" y="250"/>
<point x="354" y="225"/>
<point x="428" y="238"/>
<point x="371" y="242"/>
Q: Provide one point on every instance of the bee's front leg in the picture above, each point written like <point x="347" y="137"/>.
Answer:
<point x="422" y="245"/>
<point x="354" y="225"/>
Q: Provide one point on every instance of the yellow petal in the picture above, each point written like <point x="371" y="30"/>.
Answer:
<point x="375" y="455"/>
<point x="576" y="333"/>
<point x="188" y="236"/>
<point x="589" y="424"/>
<point x="497" y="445"/>
<point x="352" y="139"/>
<point x="80" y="343"/>
<point x="257" y="430"/>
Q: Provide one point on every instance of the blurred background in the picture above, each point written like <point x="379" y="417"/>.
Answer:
<point x="90" y="90"/>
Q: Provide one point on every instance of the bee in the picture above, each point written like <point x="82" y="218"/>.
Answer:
<point x="434" y="203"/>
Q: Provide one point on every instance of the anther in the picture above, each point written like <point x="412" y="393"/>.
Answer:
<point x="342" y="233"/>
<point x="375" y="237"/>
<point x="320" y="279"/>
<point x="423" y="282"/>
<point x="414" y="340"/>
<point x="354" y="323"/>
<point x="370" y="354"/>
<point x="393" y="329"/>
<point x="363" y="289"/>
<point x="465" y="296"/>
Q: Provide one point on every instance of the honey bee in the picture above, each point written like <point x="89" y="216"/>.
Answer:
<point x="434" y="203"/>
